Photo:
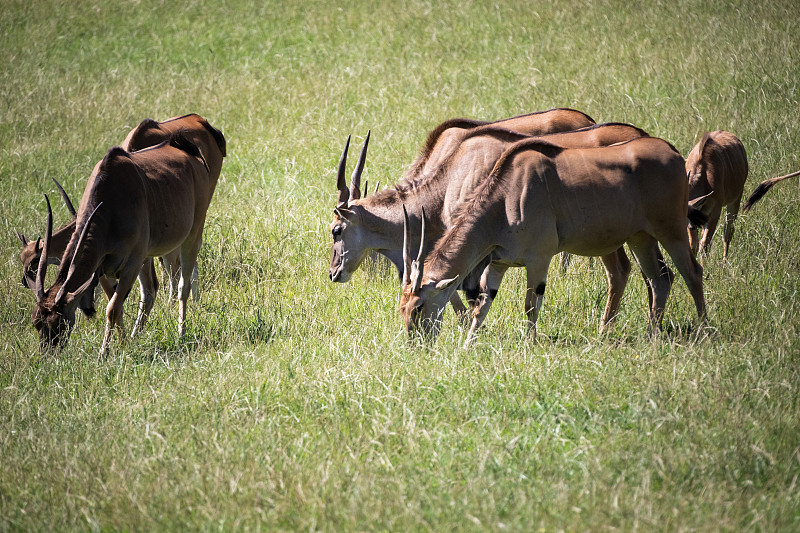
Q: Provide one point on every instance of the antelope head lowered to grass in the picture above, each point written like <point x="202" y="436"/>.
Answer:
<point x="32" y="251"/>
<point x="136" y="205"/>
<point x="376" y="222"/>
<point x="540" y="199"/>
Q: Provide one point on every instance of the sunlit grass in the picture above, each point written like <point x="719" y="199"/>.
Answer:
<point x="295" y="403"/>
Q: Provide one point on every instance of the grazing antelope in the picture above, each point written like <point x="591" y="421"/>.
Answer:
<point x="764" y="187"/>
<point x="380" y="213"/>
<point x="212" y="145"/>
<point x="136" y="205"/>
<point x="376" y="222"/>
<point x="717" y="169"/>
<point x="541" y="198"/>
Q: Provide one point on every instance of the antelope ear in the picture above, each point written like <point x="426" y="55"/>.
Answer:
<point x="445" y="283"/>
<point x="22" y="238"/>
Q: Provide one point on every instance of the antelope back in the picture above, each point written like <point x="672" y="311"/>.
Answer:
<point x="210" y="141"/>
<point x="443" y="141"/>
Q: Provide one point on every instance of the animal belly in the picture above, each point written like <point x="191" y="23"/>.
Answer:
<point x="593" y="238"/>
<point x="167" y="236"/>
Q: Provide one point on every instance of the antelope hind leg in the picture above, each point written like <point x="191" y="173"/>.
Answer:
<point x="731" y="211"/>
<point x="618" y="268"/>
<point x="188" y="261"/>
<point x="708" y="234"/>
<point x="659" y="276"/>
<point x="147" y="286"/>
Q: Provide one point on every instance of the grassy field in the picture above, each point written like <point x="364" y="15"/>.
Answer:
<point x="297" y="404"/>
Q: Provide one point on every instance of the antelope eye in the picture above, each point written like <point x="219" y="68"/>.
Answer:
<point x="337" y="231"/>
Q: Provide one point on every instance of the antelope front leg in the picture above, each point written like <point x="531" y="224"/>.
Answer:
<point x="459" y="308"/>
<point x="114" y="310"/>
<point x="534" y="292"/>
<point x="490" y="283"/>
<point x="195" y="284"/>
<point x="196" y="276"/>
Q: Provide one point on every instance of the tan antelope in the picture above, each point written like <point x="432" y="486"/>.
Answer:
<point x="445" y="138"/>
<point x="136" y="205"/>
<point x="764" y="187"/>
<point x="540" y="199"/>
<point x="376" y="222"/>
<point x="717" y="169"/>
<point x="212" y="145"/>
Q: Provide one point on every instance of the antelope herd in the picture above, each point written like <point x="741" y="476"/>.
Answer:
<point x="147" y="198"/>
<point x="481" y="197"/>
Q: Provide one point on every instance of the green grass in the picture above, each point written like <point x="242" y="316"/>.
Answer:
<point x="297" y="404"/>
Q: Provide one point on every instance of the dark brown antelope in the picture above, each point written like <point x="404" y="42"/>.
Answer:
<point x="541" y="199"/>
<point x="376" y="222"/>
<point x="717" y="169"/>
<point x="764" y="187"/>
<point x="136" y="205"/>
<point x="212" y="145"/>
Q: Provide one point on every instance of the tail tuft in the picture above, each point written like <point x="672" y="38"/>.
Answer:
<point x="759" y="193"/>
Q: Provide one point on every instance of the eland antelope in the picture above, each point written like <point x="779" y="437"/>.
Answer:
<point x="376" y="222"/>
<point x="540" y="199"/>
<point x="212" y="145"/>
<point x="137" y="205"/>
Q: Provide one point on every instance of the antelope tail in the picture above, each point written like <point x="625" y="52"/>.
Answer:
<point x="763" y="188"/>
